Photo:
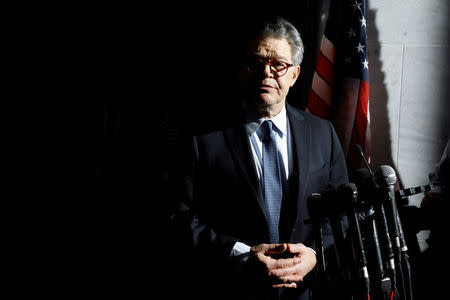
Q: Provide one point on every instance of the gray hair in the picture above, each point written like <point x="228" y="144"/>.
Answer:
<point x="280" y="28"/>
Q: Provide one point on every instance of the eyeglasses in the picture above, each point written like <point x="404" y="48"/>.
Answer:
<point x="277" y="67"/>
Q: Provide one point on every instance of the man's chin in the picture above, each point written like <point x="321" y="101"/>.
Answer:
<point x="266" y="100"/>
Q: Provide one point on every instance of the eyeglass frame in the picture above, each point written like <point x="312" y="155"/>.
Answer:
<point x="270" y="61"/>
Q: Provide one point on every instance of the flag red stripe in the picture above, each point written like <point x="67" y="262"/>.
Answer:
<point x="325" y="68"/>
<point x="361" y="115"/>
<point x="364" y="97"/>
<point x="318" y="107"/>
<point x="344" y="113"/>
<point x="322" y="88"/>
<point x="328" y="49"/>
<point x="360" y="128"/>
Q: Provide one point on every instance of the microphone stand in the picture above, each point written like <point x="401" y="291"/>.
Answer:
<point x="322" y="275"/>
<point x="360" y="262"/>
<point x="408" y="292"/>
<point x="387" y="244"/>
<point x="322" y="286"/>
<point x="341" y="256"/>
<point x="383" y="284"/>
<point x="405" y="267"/>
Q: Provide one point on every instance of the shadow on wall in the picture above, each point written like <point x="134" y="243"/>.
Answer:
<point x="444" y="107"/>
<point x="380" y="127"/>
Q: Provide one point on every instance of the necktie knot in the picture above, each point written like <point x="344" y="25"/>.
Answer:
<point x="266" y="130"/>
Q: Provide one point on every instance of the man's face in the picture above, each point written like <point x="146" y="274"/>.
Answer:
<point x="268" y="72"/>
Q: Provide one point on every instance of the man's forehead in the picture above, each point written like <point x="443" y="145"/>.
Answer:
<point x="271" y="48"/>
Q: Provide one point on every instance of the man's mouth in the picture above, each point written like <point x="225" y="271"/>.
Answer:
<point x="266" y="87"/>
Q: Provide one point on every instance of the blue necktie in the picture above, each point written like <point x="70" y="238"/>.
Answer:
<point x="272" y="180"/>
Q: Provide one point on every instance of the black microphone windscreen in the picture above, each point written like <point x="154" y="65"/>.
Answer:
<point x="358" y="176"/>
<point x="358" y="148"/>
<point x="364" y="183"/>
<point x="314" y="203"/>
<point x="346" y="197"/>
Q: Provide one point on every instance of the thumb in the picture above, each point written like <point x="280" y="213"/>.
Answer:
<point x="277" y="248"/>
<point x="295" y="248"/>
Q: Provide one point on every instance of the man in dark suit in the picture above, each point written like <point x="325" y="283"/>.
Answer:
<point x="239" y="229"/>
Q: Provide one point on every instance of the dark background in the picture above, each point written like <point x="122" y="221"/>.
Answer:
<point x="156" y="77"/>
<point x="153" y="76"/>
<point x="159" y="79"/>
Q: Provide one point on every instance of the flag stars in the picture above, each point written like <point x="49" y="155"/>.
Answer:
<point x="363" y="22"/>
<point x="365" y="64"/>
<point x="360" y="48"/>
<point x="351" y="33"/>
<point x="357" y="6"/>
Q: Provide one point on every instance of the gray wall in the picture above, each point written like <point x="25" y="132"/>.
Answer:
<point x="409" y="88"/>
<point x="409" y="85"/>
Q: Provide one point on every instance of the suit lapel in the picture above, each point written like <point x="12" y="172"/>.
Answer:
<point x="239" y="145"/>
<point x="301" y="136"/>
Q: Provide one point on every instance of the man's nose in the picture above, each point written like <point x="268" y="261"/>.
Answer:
<point x="267" y="70"/>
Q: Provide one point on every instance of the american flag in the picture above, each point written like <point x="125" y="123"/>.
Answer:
<point x="340" y="86"/>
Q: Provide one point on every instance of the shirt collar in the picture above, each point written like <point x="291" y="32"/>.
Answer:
<point x="280" y="121"/>
<point x="253" y="121"/>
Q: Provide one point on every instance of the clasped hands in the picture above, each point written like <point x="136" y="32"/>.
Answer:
<point x="283" y="265"/>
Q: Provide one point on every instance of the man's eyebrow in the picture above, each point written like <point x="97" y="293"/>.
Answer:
<point x="282" y="58"/>
<point x="277" y="56"/>
<point x="270" y="56"/>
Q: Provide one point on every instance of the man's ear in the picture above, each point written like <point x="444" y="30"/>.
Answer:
<point x="295" y="74"/>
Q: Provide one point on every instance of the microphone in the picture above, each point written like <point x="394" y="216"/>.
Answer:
<point x="387" y="248"/>
<point x="326" y="204"/>
<point x="380" y="221"/>
<point x="358" y="149"/>
<point x="350" y="193"/>
<point x="313" y="203"/>
<point x="373" y="192"/>
<point x="333" y="204"/>
<point x="384" y="283"/>
<point x="385" y="177"/>
<point x="367" y="189"/>
<point x="329" y="207"/>
<point x="403" y="246"/>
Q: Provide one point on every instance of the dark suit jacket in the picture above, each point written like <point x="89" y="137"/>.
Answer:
<point x="221" y="202"/>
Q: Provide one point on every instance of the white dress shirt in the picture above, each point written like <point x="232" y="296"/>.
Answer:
<point x="282" y="140"/>
<point x="280" y="122"/>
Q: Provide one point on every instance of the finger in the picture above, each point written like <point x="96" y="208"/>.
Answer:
<point x="291" y="278"/>
<point x="276" y="249"/>
<point x="285" y="285"/>
<point x="295" y="269"/>
<point x="295" y="248"/>
<point x="283" y="263"/>
<point x="269" y="262"/>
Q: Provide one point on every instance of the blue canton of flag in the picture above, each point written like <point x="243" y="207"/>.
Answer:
<point x="354" y="45"/>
